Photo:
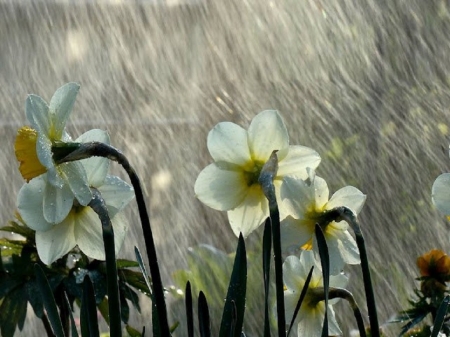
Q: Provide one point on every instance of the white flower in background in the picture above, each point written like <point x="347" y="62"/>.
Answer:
<point x="81" y="226"/>
<point x="307" y="201"/>
<point x="231" y="182"/>
<point x="33" y="149"/>
<point x="440" y="193"/>
<point x="310" y="317"/>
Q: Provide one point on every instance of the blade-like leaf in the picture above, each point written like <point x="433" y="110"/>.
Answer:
<point x="73" y="327"/>
<point x="440" y="316"/>
<point x="266" y="256"/>
<point x="203" y="316"/>
<point x="325" y="260"/>
<point x="300" y="300"/>
<point x="49" y="302"/>
<point x="189" y="311"/>
<point x="232" y="326"/>
<point x="142" y="267"/>
<point x="13" y="310"/>
<point x="88" y="311"/>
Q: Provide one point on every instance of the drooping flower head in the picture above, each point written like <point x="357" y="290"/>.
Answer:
<point x="231" y="182"/>
<point x="33" y="149"/>
<point x="309" y="320"/>
<point x="307" y="202"/>
<point x="81" y="226"/>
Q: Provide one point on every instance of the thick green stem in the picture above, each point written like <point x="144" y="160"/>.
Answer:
<point x="98" y="205"/>
<point x="87" y="150"/>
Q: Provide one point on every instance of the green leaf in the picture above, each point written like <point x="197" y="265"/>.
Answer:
<point x="142" y="267"/>
<point x="130" y="295"/>
<point x="300" y="300"/>
<point x="203" y="316"/>
<point x="440" y="316"/>
<point x="16" y="228"/>
<point x="133" y="332"/>
<point x="134" y="279"/>
<point x="34" y="297"/>
<point x="189" y="311"/>
<point x="234" y="308"/>
<point x="325" y="260"/>
<point x="88" y="311"/>
<point x="267" y="250"/>
<point x="72" y="321"/>
<point x="124" y="308"/>
<point x="121" y="264"/>
<point x="103" y="308"/>
<point x="49" y="302"/>
<point x="13" y="310"/>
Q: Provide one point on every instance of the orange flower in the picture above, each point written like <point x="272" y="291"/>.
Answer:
<point x="435" y="264"/>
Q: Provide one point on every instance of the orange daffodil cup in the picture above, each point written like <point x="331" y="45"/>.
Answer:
<point x="231" y="182"/>
<point x="54" y="201"/>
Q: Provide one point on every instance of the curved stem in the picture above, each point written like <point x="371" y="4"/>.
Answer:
<point x="98" y="149"/>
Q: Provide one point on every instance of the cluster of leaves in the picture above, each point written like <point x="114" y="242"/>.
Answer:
<point x="19" y="284"/>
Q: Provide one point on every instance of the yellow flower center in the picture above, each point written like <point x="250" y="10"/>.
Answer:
<point x="25" y="149"/>
<point x="313" y="217"/>
<point x="252" y="172"/>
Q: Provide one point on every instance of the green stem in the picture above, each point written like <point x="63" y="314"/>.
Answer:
<point x="98" y="205"/>
<point x="347" y="215"/>
<point x="47" y="326"/>
<point x="87" y="150"/>
<point x="265" y="179"/>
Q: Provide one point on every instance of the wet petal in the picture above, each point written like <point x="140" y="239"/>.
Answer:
<point x="116" y="193"/>
<point x="30" y="205"/>
<point x="348" y="196"/>
<point x="267" y="133"/>
<point x="321" y="192"/>
<point x="61" y="106"/>
<point x="57" y="203"/>
<point x="297" y="197"/>
<point x="228" y="142"/>
<point x="311" y="321"/>
<point x="96" y="167"/>
<point x="37" y="113"/>
<point x="88" y="233"/>
<point x="220" y="189"/>
<point x="293" y="275"/>
<point x="296" y="162"/>
<point x="44" y="151"/>
<point x="294" y="233"/>
<point x="333" y="327"/>
<point x="251" y="213"/>
<point x="440" y="193"/>
<point x="75" y="176"/>
<point x="342" y="249"/>
<point x="56" y="242"/>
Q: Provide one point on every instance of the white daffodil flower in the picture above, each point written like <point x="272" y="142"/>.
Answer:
<point x="307" y="201"/>
<point x="81" y="226"/>
<point x="231" y="182"/>
<point x="310" y="317"/>
<point x="440" y="193"/>
<point x="34" y="152"/>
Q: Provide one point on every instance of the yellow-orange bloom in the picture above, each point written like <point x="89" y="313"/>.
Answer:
<point x="434" y="264"/>
<point x="25" y="149"/>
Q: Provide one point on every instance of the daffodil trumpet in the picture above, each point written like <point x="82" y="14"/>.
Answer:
<point x="98" y="149"/>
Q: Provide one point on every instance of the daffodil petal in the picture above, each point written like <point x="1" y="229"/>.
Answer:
<point x="297" y="160"/>
<point x="36" y="110"/>
<point x="440" y="193"/>
<point x="333" y="327"/>
<point x="297" y="197"/>
<point x="89" y="237"/>
<point x="75" y="176"/>
<point x="251" y="213"/>
<point x="61" y="106"/>
<point x="348" y="196"/>
<point x="29" y="204"/>
<point x="294" y="233"/>
<point x="293" y="273"/>
<point x="311" y="321"/>
<point x="342" y="250"/>
<point x="96" y="167"/>
<point x="228" y="142"/>
<point x="267" y="133"/>
<point x="57" y="203"/>
<point x="220" y="189"/>
<point x="44" y="151"/>
<point x="56" y="242"/>
<point x="116" y="193"/>
<point x="291" y="298"/>
<point x="321" y="192"/>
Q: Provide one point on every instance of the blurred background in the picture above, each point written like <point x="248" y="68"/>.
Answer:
<point x="365" y="83"/>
